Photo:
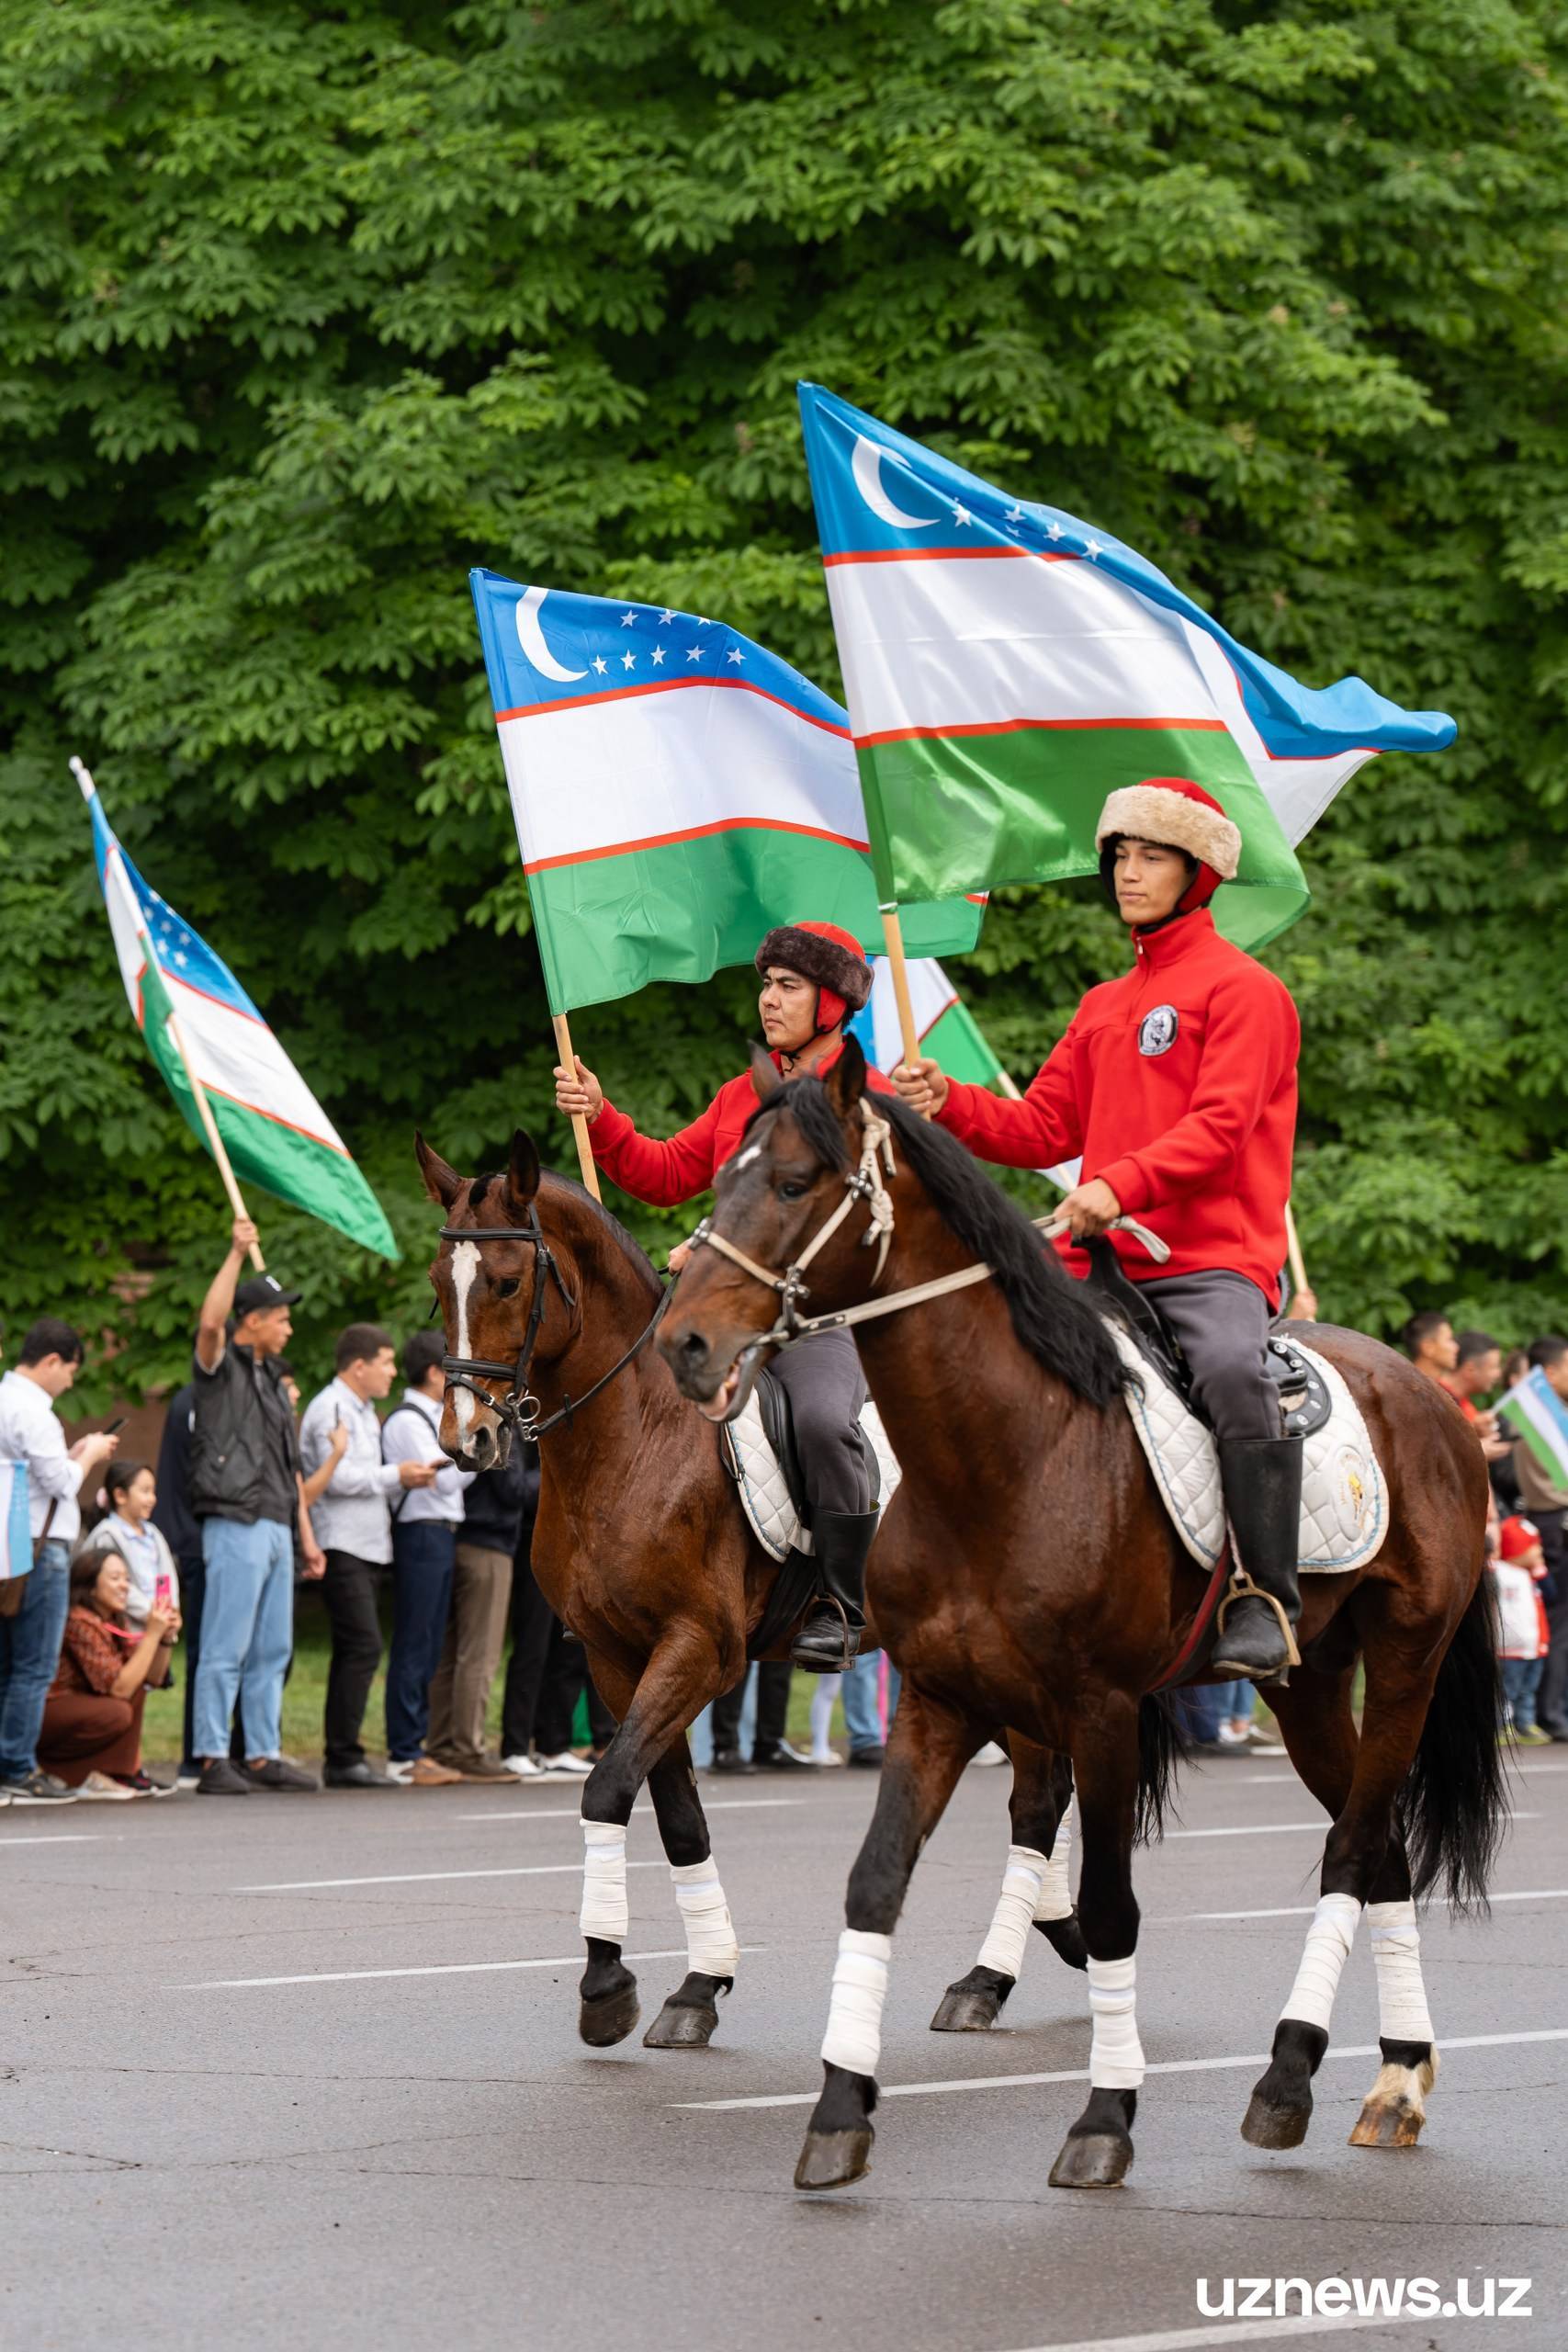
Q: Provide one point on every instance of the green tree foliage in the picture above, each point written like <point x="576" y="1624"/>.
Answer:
<point x="306" y="310"/>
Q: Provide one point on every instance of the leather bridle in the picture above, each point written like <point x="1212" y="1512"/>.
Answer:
<point x="518" y="1410"/>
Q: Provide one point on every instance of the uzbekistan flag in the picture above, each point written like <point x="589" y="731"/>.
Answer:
<point x="275" y="1131"/>
<point x="1533" y="1411"/>
<point x="1008" y="667"/>
<point x="678" y="791"/>
<point x="949" y="1034"/>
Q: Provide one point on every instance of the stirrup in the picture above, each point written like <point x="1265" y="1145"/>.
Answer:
<point x="1242" y="1588"/>
<point x="809" y="1660"/>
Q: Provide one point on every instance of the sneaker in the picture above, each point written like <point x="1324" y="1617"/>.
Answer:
<point x="426" y="1773"/>
<point x="729" y="1759"/>
<point x="783" y="1757"/>
<point x="868" y="1758"/>
<point x="222" y="1779"/>
<point x="99" y="1789"/>
<point x="522" y="1767"/>
<point x="277" y="1773"/>
<point x="826" y="1760"/>
<point x="1534" y="1738"/>
<point x="142" y="1784"/>
<point x="1264" y="1743"/>
<point x="990" y="1754"/>
<point x="361" y="1774"/>
<point x="188" y="1777"/>
<point x="1231" y="1741"/>
<point x="40" y="1788"/>
<point x="564" y="1766"/>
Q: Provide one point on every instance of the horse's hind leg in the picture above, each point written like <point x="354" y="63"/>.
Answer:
<point x="1395" y="2108"/>
<point x="1035" y="1891"/>
<point x="689" y="2016"/>
<point x="928" y="1749"/>
<point x="1098" y="2150"/>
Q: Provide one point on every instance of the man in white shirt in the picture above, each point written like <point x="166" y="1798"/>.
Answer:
<point x="31" y="1435"/>
<point x="354" y="1527"/>
<point x="424" y="1540"/>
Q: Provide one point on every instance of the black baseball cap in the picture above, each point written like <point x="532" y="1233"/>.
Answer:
<point x="262" y="1291"/>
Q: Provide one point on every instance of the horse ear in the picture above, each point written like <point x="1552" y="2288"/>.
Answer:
<point x="442" y="1184"/>
<point x="765" y="1078"/>
<point x="523" y="1172"/>
<point x="846" y="1079"/>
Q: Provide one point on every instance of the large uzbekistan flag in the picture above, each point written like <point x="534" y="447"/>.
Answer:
<point x="678" y="791"/>
<point x="1007" y="666"/>
<point x="1533" y="1411"/>
<point x="275" y="1133"/>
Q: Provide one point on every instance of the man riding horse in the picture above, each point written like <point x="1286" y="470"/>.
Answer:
<point x="814" y="976"/>
<point x="1177" y="1084"/>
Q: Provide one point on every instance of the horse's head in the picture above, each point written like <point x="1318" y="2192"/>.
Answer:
<point x="772" y="1200"/>
<point x="504" y="1301"/>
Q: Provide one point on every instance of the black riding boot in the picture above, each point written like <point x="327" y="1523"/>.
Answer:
<point x="1262" y="1481"/>
<point x="828" y="1640"/>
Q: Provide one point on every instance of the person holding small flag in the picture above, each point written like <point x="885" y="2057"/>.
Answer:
<point x="814" y="976"/>
<point x="1177" y="1084"/>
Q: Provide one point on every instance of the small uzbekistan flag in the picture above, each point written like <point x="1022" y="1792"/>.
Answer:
<point x="1533" y="1411"/>
<point x="948" y="1031"/>
<point x="1008" y="667"/>
<point x="275" y="1131"/>
<point x="678" y="791"/>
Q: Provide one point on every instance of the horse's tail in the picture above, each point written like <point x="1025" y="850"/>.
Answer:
<point x="1453" y="1804"/>
<point x="1161" y="1747"/>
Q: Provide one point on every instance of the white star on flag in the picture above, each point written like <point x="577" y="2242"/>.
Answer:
<point x="600" y="663"/>
<point x="734" y="654"/>
<point x="694" y="652"/>
<point x="626" y="619"/>
<point x="702" y="624"/>
<point x="629" y="661"/>
<point x="658" y="656"/>
<point x="960" y="514"/>
<point x="1015" y="514"/>
<point x="666" y="616"/>
<point x="1091" y="548"/>
<point x="1054" y="530"/>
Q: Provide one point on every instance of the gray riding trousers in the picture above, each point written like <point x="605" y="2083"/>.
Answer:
<point x="826" y="1389"/>
<point x="1222" y="1321"/>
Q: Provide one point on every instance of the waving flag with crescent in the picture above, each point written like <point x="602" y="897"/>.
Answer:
<point x="1007" y="666"/>
<point x="678" y="791"/>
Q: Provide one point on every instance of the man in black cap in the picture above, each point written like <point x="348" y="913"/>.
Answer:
<point x="247" y="1495"/>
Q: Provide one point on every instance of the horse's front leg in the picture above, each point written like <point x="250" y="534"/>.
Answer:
<point x="928" y="1749"/>
<point x="689" y="2016"/>
<point x="669" y="1692"/>
<point x="1035" y="1891"/>
<point x="1098" y="2150"/>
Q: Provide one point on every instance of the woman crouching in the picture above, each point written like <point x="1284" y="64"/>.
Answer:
<point x="92" y="1722"/>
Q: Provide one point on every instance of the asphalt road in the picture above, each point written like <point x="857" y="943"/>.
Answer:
<point x="304" y="2071"/>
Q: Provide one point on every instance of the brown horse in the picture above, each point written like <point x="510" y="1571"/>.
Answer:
<point x="641" y="1545"/>
<point x="1026" y="1575"/>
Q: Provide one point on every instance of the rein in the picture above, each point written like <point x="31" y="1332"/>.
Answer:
<point x="864" y="1183"/>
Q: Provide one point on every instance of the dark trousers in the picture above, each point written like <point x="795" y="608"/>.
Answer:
<point x="422" y="1594"/>
<point x="349" y="1591"/>
<point x="1552" y="1703"/>
<point x="193" y="1593"/>
<point x="547" y="1670"/>
<point x="773" y="1706"/>
<point x="1222" y="1321"/>
<point x="826" y="1391"/>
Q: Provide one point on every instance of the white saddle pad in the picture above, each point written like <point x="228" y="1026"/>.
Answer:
<point x="763" y="1494"/>
<point x="1344" y="1496"/>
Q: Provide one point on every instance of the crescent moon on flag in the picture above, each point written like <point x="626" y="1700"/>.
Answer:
<point x="866" y="467"/>
<point x="531" y="638"/>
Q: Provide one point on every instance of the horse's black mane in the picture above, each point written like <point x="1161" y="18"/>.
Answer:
<point x="1050" y="1315"/>
<point x="628" y="1241"/>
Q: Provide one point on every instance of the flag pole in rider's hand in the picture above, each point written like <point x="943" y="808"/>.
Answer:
<point x="1293" y="1252"/>
<point x="578" y="1124"/>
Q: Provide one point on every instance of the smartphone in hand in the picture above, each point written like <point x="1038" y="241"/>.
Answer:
<point x="163" y="1595"/>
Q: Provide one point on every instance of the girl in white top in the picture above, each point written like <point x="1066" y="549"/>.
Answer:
<point x="133" y="1494"/>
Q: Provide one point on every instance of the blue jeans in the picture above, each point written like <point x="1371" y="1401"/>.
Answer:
<point x="858" y="1694"/>
<point x="1522" y="1680"/>
<point x="30" y="1653"/>
<point x="247" y="1633"/>
<point x="422" y="1595"/>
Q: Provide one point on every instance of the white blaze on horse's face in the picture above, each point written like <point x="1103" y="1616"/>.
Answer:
<point x="465" y="1266"/>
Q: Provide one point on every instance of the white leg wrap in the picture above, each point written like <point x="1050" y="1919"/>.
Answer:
<point x="1116" y="2055"/>
<point x="1403" y="2014"/>
<point x="853" y="2039"/>
<point x="1328" y="1942"/>
<point x="711" y="1947"/>
<point x="605" y="1913"/>
<point x="1017" y="1908"/>
<point x="1056" y="1895"/>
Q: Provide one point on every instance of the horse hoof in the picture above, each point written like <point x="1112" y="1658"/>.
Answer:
<point x="1092" y="2160"/>
<point x="1264" y="2126"/>
<point x="962" y="2012"/>
<point x="1387" y="2127"/>
<point x="834" y="2159"/>
<point x="605" y="2022"/>
<point x="681" y="2027"/>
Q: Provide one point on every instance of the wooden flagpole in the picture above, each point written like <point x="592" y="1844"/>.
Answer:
<point x="1293" y="1252"/>
<point x="578" y="1124"/>
<point x="893" y="939"/>
<point x="214" y="1140"/>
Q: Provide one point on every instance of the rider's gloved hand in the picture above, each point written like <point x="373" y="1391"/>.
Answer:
<point x="922" y="1085"/>
<point x="578" y="1092"/>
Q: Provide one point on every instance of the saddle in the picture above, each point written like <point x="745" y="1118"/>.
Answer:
<point x="759" y="1450"/>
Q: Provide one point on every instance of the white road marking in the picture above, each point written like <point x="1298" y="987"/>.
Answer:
<point x="1304" y="1910"/>
<point x="1080" y="2073"/>
<point x="1235" y="2331"/>
<point x="446" y="1968"/>
<point x="67" y="1837"/>
<point x="416" y="1878"/>
<point x="1280" y="1828"/>
<point x="572" y="1812"/>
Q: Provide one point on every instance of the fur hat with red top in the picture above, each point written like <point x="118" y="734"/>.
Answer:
<point x="1177" y="814"/>
<point x="821" y="952"/>
<point x="1518" y="1538"/>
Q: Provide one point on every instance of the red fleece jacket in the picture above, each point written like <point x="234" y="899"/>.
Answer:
<point x="666" y="1174"/>
<point x="1178" y="1085"/>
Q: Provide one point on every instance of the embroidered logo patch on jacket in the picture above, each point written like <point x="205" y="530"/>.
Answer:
<point x="1156" y="1031"/>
